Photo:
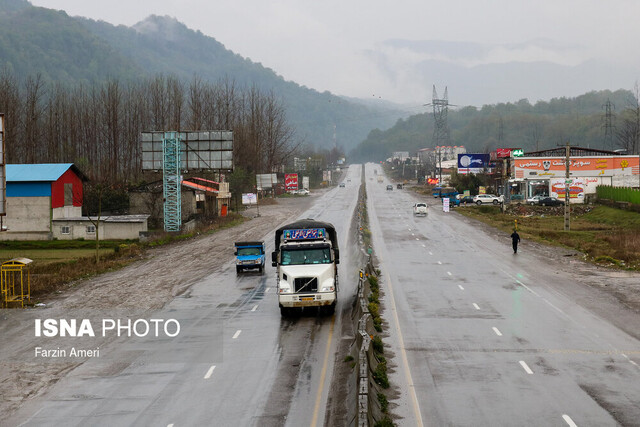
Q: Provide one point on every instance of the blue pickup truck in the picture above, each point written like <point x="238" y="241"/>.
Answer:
<point x="249" y="255"/>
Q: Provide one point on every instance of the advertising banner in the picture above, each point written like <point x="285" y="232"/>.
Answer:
<point x="291" y="181"/>
<point x="305" y="182"/>
<point x="473" y="163"/>
<point x="249" y="199"/>
<point x="266" y="181"/>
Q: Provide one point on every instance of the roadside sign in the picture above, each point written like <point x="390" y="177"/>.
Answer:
<point x="445" y="204"/>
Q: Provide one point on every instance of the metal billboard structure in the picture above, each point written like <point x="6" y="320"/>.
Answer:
<point x="173" y="152"/>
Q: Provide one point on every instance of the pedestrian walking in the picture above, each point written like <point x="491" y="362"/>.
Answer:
<point x="515" y="239"/>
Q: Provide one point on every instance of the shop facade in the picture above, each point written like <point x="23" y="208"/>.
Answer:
<point x="546" y="175"/>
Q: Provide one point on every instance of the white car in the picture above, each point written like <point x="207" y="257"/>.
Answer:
<point x="487" y="198"/>
<point x="534" y="200"/>
<point x="420" y="209"/>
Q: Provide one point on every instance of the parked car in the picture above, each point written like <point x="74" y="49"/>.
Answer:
<point x="534" y="200"/>
<point x="389" y="187"/>
<point x="342" y="185"/>
<point x="465" y="200"/>
<point x="302" y="192"/>
<point x="420" y="209"/>
<point x="487" y="198"/>
<point x="551" y="201"/>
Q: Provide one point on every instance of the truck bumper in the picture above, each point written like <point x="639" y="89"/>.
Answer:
<point x="307" y="300"/>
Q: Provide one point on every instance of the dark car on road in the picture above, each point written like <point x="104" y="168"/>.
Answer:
<point x="466" y="200"/>
<point x="550" y="201"/>
<point x="389" y="187"/>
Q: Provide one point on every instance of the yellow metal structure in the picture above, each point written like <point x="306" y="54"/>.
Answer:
<point x="15" y="281"/>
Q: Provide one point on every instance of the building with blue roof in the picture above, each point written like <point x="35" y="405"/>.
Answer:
<point x="44" y="201"/>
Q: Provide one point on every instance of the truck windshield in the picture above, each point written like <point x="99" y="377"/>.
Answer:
<point x="306" y="256"/>
<point x="249" y="251"/>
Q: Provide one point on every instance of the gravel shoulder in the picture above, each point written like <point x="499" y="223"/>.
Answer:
<point x="164" y="273"/>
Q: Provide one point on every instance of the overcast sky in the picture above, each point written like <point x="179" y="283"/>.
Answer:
<point x="371" y="48"/>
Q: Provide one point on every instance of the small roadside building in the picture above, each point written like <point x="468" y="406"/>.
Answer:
<point x="44" y="201"/>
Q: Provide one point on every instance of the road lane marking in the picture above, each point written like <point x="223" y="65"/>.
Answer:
<point x="417" y="238"/>
<point x="476" y="306"/>
<point x="497" y="331"/>
<point x="237" y="334"/>
<point x="424" y="246"/>
<point x="449" y="273"/>
<point x="170" y="425"/>
<point x="413" y="234"/>
<point x="461" y="288"/>
<point x="323" y="374"/>
<point x="430" y="253"/>
<point x="403" y="354"/>
<point x="568" y="420"/>
<point x="440" y="262"/>
<point x="255" y="307"/>
<point x="526" y="368"/>
<point x="266" y="291"/>
<point x="209" y="372"/>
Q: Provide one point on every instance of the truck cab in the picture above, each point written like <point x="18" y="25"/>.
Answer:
<point x="249" y="255"/>
<point x="306" y="257"/>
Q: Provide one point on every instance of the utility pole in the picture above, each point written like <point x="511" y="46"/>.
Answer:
<point x="608" y="124"/>
<point x="567" y="184"/>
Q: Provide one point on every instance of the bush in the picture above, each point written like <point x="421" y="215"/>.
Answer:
<point x="380" y="375"/>
<point x="378" y="345"/>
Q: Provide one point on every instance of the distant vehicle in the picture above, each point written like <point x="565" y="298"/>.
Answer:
<point x="465" y="200"/>
<point x="534" y="200"/>
<point x="420" y="209"/>
<point x="551" y="201"/>
<point x="487" y="198"/>
<point x="389" y="187"/>
<point x="249" y="255"/>
<point x="399" y="186"/>
<point x="436" y="191"/>
<point x="380" y="178"/>
<point x="302" y="192"/>
<point x="443" y="192"/>
<point x="342" y="185"/>
<point x="453" y="200"/>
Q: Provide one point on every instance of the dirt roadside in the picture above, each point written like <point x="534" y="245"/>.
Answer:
<point x="148" y="284"/>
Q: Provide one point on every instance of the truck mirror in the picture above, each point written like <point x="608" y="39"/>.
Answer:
<point x="336" y="254"/>
<point x="274" y="259"/>
<point x="235" y="253"/>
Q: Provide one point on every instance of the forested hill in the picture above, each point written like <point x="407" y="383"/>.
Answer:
<point x="74" y="50"/>
<point x="539" y="126"/>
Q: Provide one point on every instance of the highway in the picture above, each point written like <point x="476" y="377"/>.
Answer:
<point x="484" y="337"/>
<point x="239" y="364"/>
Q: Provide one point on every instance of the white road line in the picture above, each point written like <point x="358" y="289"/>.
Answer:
<point x="477" y="307"/>
<point x="526" y="368"/>
<point x="449" y="273"/>
<point x="237" y="334"/>
<point x="430" y="253"/>
<point x="527" y="288"/>
<point x="170" y="425"/>
<point x="266" y="291"/>
<point x="497" y="331"/>
<point x="209" y="372"/>
<point x="413" y="234"/>
<point x="403" y="355"/>
<point x="439" y="262"/>
<point x="461" y="288"/>
<point x="417" y="238"/>
<point x="255" y="307"/>
<point x="568" y="420"/>
<point x="424" y="246"/>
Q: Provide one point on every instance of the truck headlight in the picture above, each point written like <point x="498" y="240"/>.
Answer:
<point x="327" y="286"/>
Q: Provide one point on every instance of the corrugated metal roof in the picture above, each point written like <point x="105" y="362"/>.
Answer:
<point x="37" y="172"/>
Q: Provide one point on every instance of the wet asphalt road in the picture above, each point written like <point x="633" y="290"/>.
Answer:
<point x="238" y="363"/>
<point x="483" y="337"/>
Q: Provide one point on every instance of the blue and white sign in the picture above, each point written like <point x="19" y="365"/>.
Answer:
<point x="473" y="163"/>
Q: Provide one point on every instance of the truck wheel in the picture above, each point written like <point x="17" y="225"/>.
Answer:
<point x="238" y="270"/>
<point x="330" y="310"/>
<point x="285" y="312"/>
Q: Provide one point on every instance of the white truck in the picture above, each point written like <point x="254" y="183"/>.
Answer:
<point x="307" y="258"/>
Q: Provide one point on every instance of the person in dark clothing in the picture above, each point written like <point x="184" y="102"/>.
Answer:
<point x="515" y="239"/>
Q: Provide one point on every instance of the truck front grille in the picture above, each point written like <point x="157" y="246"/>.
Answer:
<point x="306" y="284"/>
